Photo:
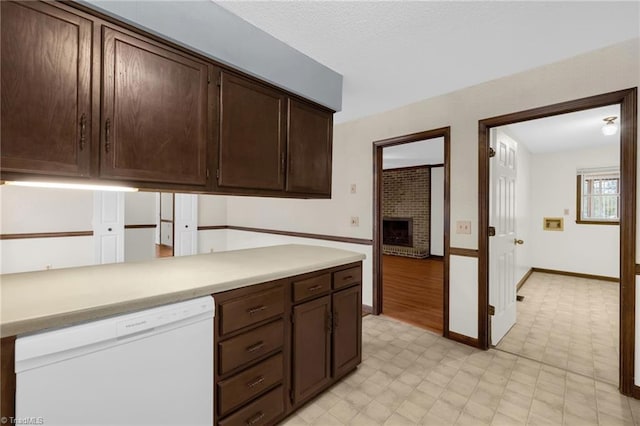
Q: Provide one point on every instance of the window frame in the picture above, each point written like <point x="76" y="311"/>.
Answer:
<point x="593" y="221"/>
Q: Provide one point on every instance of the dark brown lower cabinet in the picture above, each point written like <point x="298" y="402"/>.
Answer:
<point x="311" y="347"/>
<point x="347" y="329"/>
<point x="280" y="343"/>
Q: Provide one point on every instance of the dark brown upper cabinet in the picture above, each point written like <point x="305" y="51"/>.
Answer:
<point x="252" y="135"/>
<point x="154" y="112"/>
<point x="86" y="96"/>
<point x="309" y="140"/>
<point x="46" y="109"/>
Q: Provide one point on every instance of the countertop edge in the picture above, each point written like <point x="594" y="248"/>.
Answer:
<point x="33" y="325"/>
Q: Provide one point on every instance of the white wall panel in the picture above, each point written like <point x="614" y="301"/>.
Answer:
<point x="212" y="240"/>
<point x="139" y="244"/>
<point x="37" y="254"/>
<point x="463" y="295"/>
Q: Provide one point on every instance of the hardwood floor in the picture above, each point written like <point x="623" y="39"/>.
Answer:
<point x="412" y="291"/>
<point x="163" y="250"/>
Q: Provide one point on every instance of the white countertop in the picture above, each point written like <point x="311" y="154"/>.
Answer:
<point x="34" y="301"/>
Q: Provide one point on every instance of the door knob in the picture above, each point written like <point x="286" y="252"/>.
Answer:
<point x="517" y="241"/>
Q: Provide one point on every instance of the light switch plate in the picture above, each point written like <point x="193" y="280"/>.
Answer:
<point x="353" y="188"/>
<point x="355" y="221"/>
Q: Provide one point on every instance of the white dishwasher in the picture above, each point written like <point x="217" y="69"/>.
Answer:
<point x="152" y="367"/>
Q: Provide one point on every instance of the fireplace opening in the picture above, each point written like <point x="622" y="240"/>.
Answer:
<point x="397" y="231"/>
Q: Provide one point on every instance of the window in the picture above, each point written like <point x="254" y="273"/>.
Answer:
<point x="599" y="196"/>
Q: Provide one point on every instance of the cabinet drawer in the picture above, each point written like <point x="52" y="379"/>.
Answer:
<point x="260" y="412"/>
<point x="248" y="346"/>
<point x="347" y="277"/>
<point x="239" y="313"/>
<point x="311" y="287"/>
<point x="249" y="383"/>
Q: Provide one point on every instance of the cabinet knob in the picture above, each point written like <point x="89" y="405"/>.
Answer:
<point x="109" y="229"/>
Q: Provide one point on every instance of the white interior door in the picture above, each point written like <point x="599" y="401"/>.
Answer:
<point x="108" y="226"/>
<point x="502" y="246"/>
<point x="185" y="225"/>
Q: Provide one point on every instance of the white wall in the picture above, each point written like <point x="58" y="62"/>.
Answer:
<point x="29" y="210"/>
<point x="589" y="249"/>
<point x="437" y="211"/>
<point x="605" y="70"/>
<point x="35" y="210"/>
<point x="523" y="210"/>
<point x="212" y="210"/>
<point x="140" y="208"/>
<point x="37" y="254"/>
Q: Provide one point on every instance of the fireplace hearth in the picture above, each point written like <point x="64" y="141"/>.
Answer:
<point x="397" y="231"/>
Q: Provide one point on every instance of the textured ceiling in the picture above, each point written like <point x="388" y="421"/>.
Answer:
<point x="566" y="132"/>
<point x="395" y="53"/>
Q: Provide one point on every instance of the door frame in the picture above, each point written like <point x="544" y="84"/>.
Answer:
<point x="445" y="133"/>
<point x="627" y="99"/>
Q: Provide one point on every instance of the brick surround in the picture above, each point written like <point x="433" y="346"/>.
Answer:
<point x="406" y="193"/>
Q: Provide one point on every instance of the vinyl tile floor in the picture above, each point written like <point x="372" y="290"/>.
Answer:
<point x="411" y="376"/>
<point x="570" y="323"/>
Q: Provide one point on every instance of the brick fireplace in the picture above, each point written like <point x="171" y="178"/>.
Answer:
<point x="406" y="211"/>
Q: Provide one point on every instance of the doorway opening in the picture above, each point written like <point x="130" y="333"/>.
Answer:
<point x="557" y="243"/>
<point x="626" y="100"/>
<point x="165" y="237"/>
<point x="178" y="224"/>
<point x="411" y="228"/>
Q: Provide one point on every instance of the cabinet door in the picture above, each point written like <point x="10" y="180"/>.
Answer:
<point x="309" y="149"/>
<point x="251" y="135"/>
<point x="347" y="326"/>
<point x="46" y="95"/>
<point x="311" y="348"/>
<point x="154" y="120"/>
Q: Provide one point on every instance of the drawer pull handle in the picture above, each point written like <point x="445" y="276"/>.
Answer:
<point x="315" y="287"/>
<point x="255" y="419"/>
<point x="256" y="382"/>
<point x="256" y="309"/>
<point x="256" y="347"/>
<point x="348" y="277"/>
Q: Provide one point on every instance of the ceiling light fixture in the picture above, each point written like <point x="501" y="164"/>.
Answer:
<point x="58" y="185"/>
<point x="610" y="127"/>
